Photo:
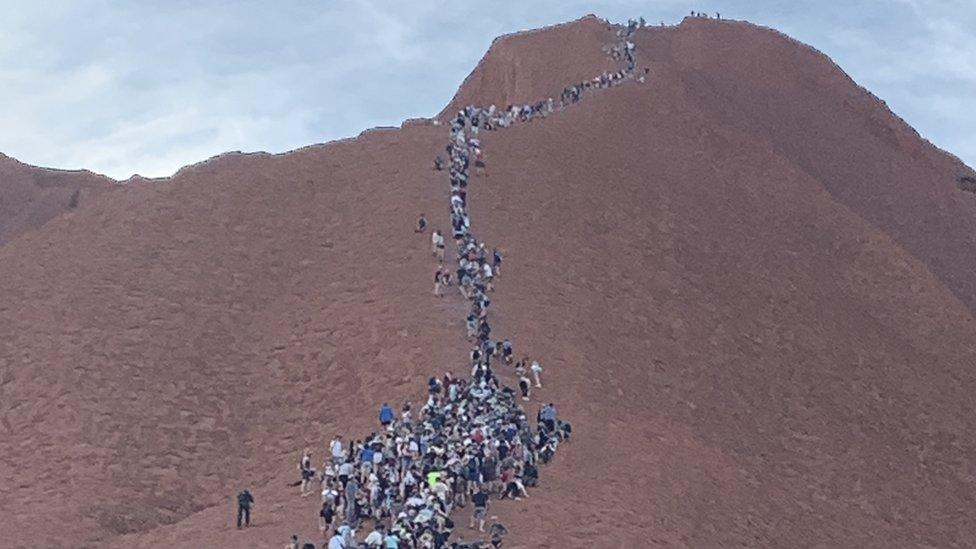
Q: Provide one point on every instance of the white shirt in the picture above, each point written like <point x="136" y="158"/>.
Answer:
<point x="336" y="448"/>
<point x="374" y="539"/>
<point x="337" y="542"/>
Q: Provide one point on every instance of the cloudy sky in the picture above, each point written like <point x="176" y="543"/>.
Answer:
<point x="126" y="87"/>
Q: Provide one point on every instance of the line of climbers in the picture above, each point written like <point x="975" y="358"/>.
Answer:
<point x="471" y="439"/>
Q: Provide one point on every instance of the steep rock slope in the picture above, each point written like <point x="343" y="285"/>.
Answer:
<point x="761" y="352"/>
<point x="534" y="65"/>
<point x="184" y="336"/>
<point x="30" y="196"/>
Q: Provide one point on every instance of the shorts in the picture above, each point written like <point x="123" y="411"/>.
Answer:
<point x="480" y="512"/>
<point x="479" y="164"/>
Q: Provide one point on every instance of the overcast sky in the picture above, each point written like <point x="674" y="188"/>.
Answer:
<point x="125" y="87"/>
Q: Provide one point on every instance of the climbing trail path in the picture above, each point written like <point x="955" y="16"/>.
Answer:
<point x="472" y="438"/>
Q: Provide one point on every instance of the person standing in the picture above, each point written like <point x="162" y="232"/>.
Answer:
<point x="335" y="447"/>
<point x="480" y="501"/>
<point x="307" y="473"/>
<point x="337" y="541"/>
<point x="375" y="538"/>
<point x="439" y="247"/>
<point x="351" y="493"/>
<point x="438" y="281"/>
<point x="524" y="385"/>
<point x="536" y="372"/>
<point x="326" y="516"/>
<point x="386" y="415"/>
<point x="245" y="502"/>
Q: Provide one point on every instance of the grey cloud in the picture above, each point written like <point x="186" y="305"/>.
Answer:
<point x="121" y="87"/>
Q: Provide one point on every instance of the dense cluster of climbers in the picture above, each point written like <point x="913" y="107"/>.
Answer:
<point x="471" y="439"/>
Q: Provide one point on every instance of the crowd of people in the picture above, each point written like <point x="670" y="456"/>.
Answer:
<point x="471" y="441"/>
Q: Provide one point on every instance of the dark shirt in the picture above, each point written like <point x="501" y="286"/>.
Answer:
<point x="245" y="499"/>
<point x="480" y="499"/>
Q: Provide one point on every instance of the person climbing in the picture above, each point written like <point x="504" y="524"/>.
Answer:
<point x="524" y="385"/>
<point x="479" y="163"/>
<point x="437" y="244"/>
<point x="346" y="470"/>
<point x="326" y="516"/>
<point x="507" y="351"/>
<point x="293" y="544"/>
<point x="335" y="447"/>
<point x="374" y="540"/>
<point x="445" y="276"/>
<point x="386" y="415"/>
<point x="351" y="492"/>
<point x="306" y="472"/>
<point x="536" y="372"/>
<point x="513" y="486"/>
<point x="421" y="224"/>
<point x="480" y="502"/>
<point x="245" y="502"/>
<point x="486" y="277"/>
<point x="337" y="541"/>
<point x="530" y="475"/>
<point x="438" y="281"/>
<point x="438" y="163"/>
<point x="497" y="533"/>
<point x="439" y="247"/>
<point x="547" y="416"/>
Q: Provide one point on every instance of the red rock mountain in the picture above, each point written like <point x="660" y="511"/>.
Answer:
<point x="749" y="282"/>
<point x="30" y="197"/>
